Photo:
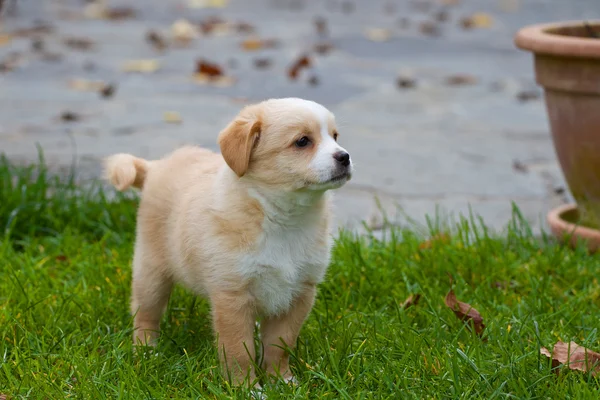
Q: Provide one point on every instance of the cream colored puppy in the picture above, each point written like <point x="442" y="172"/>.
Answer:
<point x="248" y="229"/>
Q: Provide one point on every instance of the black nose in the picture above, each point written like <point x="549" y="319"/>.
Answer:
<point x="342" y="157"/>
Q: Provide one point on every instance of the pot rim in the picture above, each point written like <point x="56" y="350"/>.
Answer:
<point x="555" y="220"/>
<point x="535" y="38"/>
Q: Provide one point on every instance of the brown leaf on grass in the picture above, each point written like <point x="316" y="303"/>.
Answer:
<point x="323" y="48"/>
<point x="404" y="82"/>
<point x="214" y="25"/>
<point x="477" y="20"/>
<point x="37" y="30"/>
<point x="441" y="238"/>
<point x="574" y="356"/>
<point x="209" y="69"/>
<point x="520" y="166"/>
<point x="527" y="95"/>
<point x="212" y="74"/>
<point x="263" y="63"/>
<point x="145" y="66"/>
<point x="441" y="16"/>
<point x="314" y="80"/>
<point x="378" y="34"/>
<point x="321" y="26"/>
<point x="156" y="40"/>
<point x="5" y="39"/>
<point x="411" y="300"/>
<point x="119" y="13"/>
<point x="108" y="91"/>
<point x="461" y="80"/>
<point x="79" y="43"/>
<point x="69" y="116"/>
<point x="61" y="258"/>
<point x="429" y="28"/>
<point x="244" y="28"/>
<point x="301" y="63"/>
<point x="465" y="312"/>
<point x="84" y="85"/>
<point x="254" y="43"/>
<point x="172" y="117"/>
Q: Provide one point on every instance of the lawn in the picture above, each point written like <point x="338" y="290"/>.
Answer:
<point x="65" y="328"/>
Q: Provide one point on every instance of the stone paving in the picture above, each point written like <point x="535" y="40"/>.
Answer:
<point x="419" y="142"/>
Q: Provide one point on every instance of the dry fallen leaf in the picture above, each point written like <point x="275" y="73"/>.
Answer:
<point x="527" y="95"/>
<point x="210" y="73"/>
<point x="313" y="80"/>
<point x="183" y="31"/>
<point x="156" y="40"/>
<point x="207" y="3"/>
<point x="263" y="63"/>
<point x="378" y="34"/>
<point x="461" y="80"/>
<point x="429" y="28"/>
<point x="215" y="26"/>
<point x="119" y="13"/>
<point x="321" y="26"/>
<point x="85" y="85"/>
<point x="172" y="117"/>
<point x="79" y="43"/>
<point x="69" y="116"/>
<point x="145" y="66"/>
<point x="520" y="167"/>
<point x="5" y="39"/>
<point x="298" y="65"/>
<point x="108" y="91"/>
<point x="438" y="238"/>
<point x="254" y="43"/>
<point x="61" y="257"/>
<point x="477" y="20"/>
<point x="574" y="356"/>
<point x="244" y="28"/>
<point x="323" y="48"/>
<point x="411" y="300"/>
<point x="441" y="16"/>
<point x="209" y="69"/>
<point x="99" y="10"/>
<point x="465" y="312"/>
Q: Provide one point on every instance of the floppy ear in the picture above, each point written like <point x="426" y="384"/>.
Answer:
<point x="236" y="142"/>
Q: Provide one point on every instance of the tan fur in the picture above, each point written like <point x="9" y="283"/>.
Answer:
<point x="232" y="228"/>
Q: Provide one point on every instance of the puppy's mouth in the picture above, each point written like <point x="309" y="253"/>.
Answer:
<point x="344" y="176"/>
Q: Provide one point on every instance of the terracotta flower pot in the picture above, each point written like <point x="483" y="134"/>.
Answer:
<point x="567" y="65"/>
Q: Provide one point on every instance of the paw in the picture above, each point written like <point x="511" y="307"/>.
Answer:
<point x="290" y="380"/>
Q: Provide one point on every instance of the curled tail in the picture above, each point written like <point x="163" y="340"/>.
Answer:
<point x="125" y="170"/>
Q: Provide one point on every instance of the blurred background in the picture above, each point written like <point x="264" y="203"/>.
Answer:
<point x="437" y="107"/>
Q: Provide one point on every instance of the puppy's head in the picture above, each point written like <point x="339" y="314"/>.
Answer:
<point x="291" y="143"/>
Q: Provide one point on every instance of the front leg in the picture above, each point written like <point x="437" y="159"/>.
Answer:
<point x="234" y="316"/>
<point x="282" y="331"/>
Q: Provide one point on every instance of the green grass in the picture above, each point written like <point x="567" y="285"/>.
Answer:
<point x="65" y="328"/>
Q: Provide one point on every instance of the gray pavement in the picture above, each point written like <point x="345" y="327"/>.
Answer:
<point x="417" y="149"/>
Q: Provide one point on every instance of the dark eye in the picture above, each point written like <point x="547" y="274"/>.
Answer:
<point x="335" y="135"/>
<point x="302" y="142"/>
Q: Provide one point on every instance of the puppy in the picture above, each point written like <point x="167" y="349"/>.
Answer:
<point x="248" y="229"/>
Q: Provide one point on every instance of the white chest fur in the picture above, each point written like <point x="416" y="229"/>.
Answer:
<point x="286" y="258"/>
